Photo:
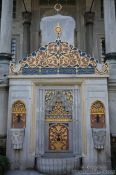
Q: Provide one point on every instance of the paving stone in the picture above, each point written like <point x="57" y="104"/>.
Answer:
<point x="31" y="172"/>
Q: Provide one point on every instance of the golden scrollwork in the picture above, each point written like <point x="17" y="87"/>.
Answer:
<point x="58" y="105"/>
<point x="58" y="137"/>
<point x="59" y="109"/>
<point x="54" y="55"/>
<point x="58" y="113"/>
<point x="58" y="54"/>
<point x="103" y="70"/>
<point x="97" y="108"/>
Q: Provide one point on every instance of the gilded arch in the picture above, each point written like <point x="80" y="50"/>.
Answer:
<point x="97" y="115"/>
<point x="18" y="114"/>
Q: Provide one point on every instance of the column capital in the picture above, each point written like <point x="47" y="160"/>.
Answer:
<point x="26" y="17"/>
<point x="89" y="17"/>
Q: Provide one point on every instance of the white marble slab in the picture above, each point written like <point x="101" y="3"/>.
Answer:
<point x="48" y="25"/>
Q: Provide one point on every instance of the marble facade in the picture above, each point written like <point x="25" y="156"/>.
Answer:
<point x="56" y="109"/>
<point x="86" y="91"/>
<point x="62" y="135"/>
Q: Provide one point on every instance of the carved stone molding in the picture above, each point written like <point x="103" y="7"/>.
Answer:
<point x="89" y="17"/>
<point x="17" y="138"/>
<point x="99" y="136"/>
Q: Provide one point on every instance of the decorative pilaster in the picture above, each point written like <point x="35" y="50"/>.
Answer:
<point x="89" y="21"/>
<point x="26" y="32"/>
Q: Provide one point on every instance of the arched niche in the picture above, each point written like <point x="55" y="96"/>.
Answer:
<point x="18" y="114"/>
<point x="97" y="115"/>
<point x="58" y="120"/>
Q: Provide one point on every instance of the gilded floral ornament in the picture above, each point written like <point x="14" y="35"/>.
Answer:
<point x="58" y="58"/>
<point x="58" y="105"/>
<point x="102" y="69"/>
<point x="15" y="68"/>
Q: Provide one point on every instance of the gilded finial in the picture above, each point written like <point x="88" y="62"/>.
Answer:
<point x="58" y="29"/>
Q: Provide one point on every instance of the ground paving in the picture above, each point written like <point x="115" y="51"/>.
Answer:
<point x="27" y="172"/>
<point x="32" y="172"/>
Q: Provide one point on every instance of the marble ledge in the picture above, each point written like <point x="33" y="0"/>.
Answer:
<point x="57" y="76"/>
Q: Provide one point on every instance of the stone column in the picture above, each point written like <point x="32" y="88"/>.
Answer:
<point x="89" y="20"/>
<point x="5" y="56"/>
<point x="110" y="35"/>
<point x="6" y="26"/>
<point x="110" y="28"/>
<point x="35" y="25"/>
<point x="5" y="37"/>
<point x="26" y="32"/>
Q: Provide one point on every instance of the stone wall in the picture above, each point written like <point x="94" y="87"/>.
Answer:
<point x="76" y="11"/>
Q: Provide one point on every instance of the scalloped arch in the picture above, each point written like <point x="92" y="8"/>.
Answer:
<point x="18" y="114"/>
<point x="97" y="114"/>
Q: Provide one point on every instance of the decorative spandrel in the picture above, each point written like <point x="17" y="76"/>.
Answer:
<point x="97" y="115"/>
<point x="18" y="115"/>
<point x="58" y="105"/>
<point x="58" y="137"/>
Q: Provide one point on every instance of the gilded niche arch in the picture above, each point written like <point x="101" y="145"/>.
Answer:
<point x="97" y="115"/>
<point x="58" y="105"/>
<point x="18" y="114"/>
<point x="58" y="118"/>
